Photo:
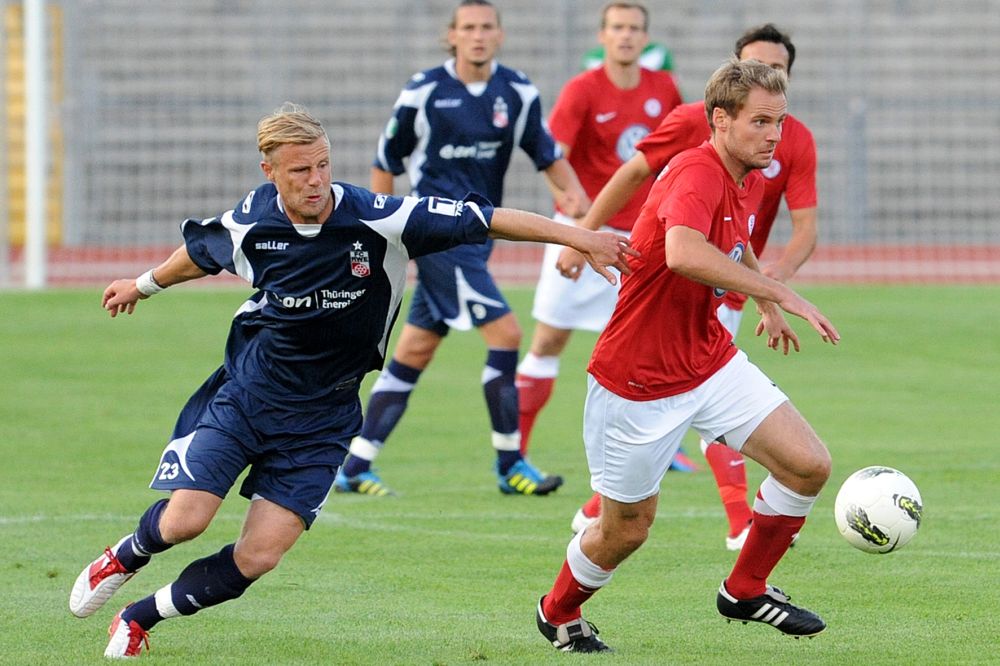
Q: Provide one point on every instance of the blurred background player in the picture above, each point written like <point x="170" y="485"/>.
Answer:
<point x="597" y="120"/>
<point x="664" y="364"/>
<point x="456" y="127"/>
<point x="792" y="173"/>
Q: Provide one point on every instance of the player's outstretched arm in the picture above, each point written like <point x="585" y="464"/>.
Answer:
<point x="602" y="249"/>
<point x="122" y="295"/>
<point x="612" y="198"/>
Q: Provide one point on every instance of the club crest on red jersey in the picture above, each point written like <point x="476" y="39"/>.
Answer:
<point x="772" y="170"/>
<point x="736" y="254"/>
<point x="359" y="261"/>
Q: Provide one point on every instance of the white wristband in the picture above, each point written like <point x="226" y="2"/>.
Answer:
<point x="146" y="285"/>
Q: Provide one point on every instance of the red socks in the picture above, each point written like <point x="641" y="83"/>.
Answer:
<point x="562" y="603"/>
<point x="592" y="508"/>
<point x="768" y="541"/>
<point x="532" y="394"/>
<point x="730" y="472"/>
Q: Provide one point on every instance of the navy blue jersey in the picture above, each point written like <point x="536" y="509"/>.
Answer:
<point x="325" y="301"/>
<point x="460" y="138"/>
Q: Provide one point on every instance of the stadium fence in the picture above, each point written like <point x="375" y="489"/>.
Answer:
<point x="153" y="106"/>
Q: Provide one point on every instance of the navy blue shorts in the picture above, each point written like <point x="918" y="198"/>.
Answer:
<point x="293" y="455"/>
<point x="455" y="290"/>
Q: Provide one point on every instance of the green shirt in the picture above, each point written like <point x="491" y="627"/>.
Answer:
<point x="654" y="56"/>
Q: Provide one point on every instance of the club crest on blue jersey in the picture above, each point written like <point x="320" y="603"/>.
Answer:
<point x="359" y="261"/>
<point x="500" y="117"/>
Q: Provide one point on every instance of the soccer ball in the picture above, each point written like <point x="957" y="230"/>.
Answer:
<point x="878" y="509"/>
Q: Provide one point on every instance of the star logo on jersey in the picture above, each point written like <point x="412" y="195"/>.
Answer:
<point x="359" y="261"/>
<point x="500" y="117"/>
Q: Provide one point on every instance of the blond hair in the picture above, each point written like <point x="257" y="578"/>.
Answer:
<point x="731" y="83"/>
<point x="289" y="124"/>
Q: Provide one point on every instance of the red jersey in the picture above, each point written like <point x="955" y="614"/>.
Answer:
<point x="664" y="337"/>
<point x="601" y="124"/>
<point x="792" y="171"/>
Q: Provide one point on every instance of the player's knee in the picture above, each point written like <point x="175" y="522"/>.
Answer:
<point x="502" y="333"/>
<point x="822" y="466"/>
<point x="254" y="563"/>
<point x="632" y="538"/>
<point x="546" y="343"/>
<point x="627" y="535"/>
<point x="178" y="529"/>
<point x="813" y="471"/>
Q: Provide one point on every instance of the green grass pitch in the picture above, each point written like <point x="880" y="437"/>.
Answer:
<point x="449" y="572"/>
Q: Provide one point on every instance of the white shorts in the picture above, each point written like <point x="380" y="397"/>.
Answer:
<point x="729" y="318"/>
<point x="585" y="304"/>
<point x="630" y="444"/>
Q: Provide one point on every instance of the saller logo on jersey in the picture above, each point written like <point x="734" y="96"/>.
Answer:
<point x="271" y="245"/>
<point x="359" y="261"/>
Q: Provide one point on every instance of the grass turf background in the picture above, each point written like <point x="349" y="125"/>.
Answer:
<point x="449" y="571"/>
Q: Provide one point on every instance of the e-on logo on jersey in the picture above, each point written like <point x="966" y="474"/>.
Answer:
<point x="736" y="254"/>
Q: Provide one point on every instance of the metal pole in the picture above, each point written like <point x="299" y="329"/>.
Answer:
<point x="35" y="143"/>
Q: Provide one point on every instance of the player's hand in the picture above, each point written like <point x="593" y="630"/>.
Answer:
<point x="800" y="307"/>
<point x="573" y="203"/>
<point x="604" y="250"/>
<point x="121" y="296"/>
<point x="571" y="263"/>
<point x="779" y="333"/>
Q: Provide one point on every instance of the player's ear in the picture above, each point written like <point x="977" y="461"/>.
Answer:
<point x="267" y="169"/>
<point x="720" y="119"/>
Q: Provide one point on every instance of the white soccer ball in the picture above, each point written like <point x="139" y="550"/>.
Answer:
<point x="878" y="509"/>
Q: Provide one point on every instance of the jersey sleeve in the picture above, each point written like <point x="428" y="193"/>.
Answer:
<point x="691" y="198"/>
<point x="677" y="133"/>
<point x="400" y="135"/>
<point x="417" y="226"/>
<point x="535" y="139"/>
<point x="210" y="243"/>
<point x="800" y="190"/>
<point x="437" y="224"/>
<point x="568" y="114"/>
